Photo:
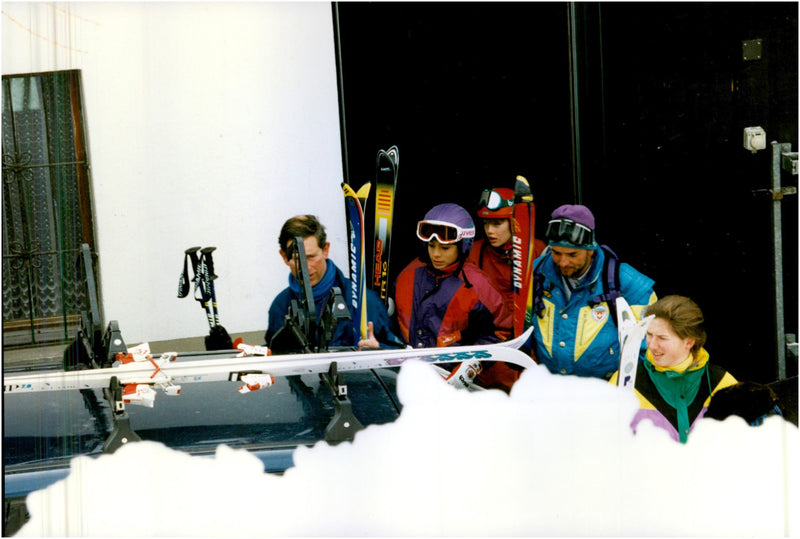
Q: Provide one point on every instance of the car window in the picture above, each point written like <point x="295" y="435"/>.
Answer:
<point x="296" y="410"/>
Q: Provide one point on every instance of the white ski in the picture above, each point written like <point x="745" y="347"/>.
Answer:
<point x="631" y="334"/>
<point x="168" y="371"/>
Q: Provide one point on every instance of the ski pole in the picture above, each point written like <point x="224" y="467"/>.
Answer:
<point x="208" y="279"/>
<point x="190" y="254"/>
<point x="203" y="285"/>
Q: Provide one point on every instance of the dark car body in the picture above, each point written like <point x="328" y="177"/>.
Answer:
<point x="42" y="431"/>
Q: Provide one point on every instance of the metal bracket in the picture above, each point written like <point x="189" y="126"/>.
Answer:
<point x="122" y="433"/>
<point x="335" y="312"/>
<point x="112" y="343"/>
<point x="344" y="425"/>
<point x="781" y="152"/>
<point x="92" y="322"/>
<point x="789" y="162"/>
<point x="791" y="344"/>
<point x="778" y="195"/>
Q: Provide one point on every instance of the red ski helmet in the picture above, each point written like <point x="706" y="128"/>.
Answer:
<point x="497" y="203"/>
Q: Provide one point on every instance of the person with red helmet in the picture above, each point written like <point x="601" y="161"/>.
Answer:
<point x="441" y="298"/>
<point x="493" y="254"/>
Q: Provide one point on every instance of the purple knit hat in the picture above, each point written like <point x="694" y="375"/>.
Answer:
<point x="575" y="212"/>
<point x="563" y="232"/>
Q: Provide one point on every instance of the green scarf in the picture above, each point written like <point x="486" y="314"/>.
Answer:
<point x="679" y="389"/>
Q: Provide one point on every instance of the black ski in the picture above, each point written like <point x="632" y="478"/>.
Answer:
<point x="387" y="166"/>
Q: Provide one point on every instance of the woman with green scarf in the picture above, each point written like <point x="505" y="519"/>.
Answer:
<point x="676" y="382"/>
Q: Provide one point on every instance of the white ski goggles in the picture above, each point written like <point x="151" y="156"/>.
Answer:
<point x="492" y="200"/>
<point x="443" y="232"/>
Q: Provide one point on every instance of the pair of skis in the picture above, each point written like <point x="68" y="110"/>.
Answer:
<point x="355" y="206"/>
<point x="138" y="367"/>
<point x="202" y="264"/>
<point x="522" y="252"/>
<point x="387" y="166"/>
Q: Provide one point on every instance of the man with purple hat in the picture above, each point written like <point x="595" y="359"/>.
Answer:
<point x="575" y="284"/>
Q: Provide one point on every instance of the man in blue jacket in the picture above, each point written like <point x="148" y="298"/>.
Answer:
<point x="323" y="276"/>
<point x="574" y="332"/>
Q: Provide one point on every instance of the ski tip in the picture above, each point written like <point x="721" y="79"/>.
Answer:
<point x="646" y="320"/>
<point x="517" y="342"/>
<point x="522" y="190"/>
<point x="191" y="250"/>
<point x="363" y="191"/>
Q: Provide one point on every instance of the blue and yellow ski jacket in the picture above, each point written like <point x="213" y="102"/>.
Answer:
<point x="576" y="336"/>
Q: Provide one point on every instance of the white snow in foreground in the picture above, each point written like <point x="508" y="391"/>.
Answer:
<point x="556" y="457"/>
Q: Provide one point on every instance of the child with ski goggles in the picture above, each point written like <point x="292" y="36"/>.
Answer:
<point x="443" y="299"/>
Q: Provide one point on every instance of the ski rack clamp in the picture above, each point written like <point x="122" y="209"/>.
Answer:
<point x="345" y="424"/>
<point x="335" y="312"/>
<point x="91" y="347"/>
<point x="305" y="297"/>
<point x="122" y="433"/>
<point x="113" y="343"/>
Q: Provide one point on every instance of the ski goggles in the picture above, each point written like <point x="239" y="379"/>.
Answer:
<point x="568" y="231"/>
<point x="492" y="200"/>
<point x="443" y="232"/>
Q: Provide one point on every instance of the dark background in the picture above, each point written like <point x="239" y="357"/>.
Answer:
<point x="636" y="110"/>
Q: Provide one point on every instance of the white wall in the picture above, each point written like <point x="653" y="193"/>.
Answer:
<point x="208" y="124"/>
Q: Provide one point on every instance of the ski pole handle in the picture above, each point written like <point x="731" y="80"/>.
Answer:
<point x="209" y="262"/>
<point x="183" y="280"/>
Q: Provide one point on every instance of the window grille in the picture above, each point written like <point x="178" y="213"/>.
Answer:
<point x="46" y="207"/>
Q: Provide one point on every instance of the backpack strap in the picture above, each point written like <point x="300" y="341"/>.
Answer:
<point x="610" y="279"/>
<point x="538" y="285"/>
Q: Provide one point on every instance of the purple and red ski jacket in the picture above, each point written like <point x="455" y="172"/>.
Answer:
<point x="456" y="306"/>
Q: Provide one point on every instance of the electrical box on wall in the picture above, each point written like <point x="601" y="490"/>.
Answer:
<point x="755" y="138"/>
<point x="751" y="49"/>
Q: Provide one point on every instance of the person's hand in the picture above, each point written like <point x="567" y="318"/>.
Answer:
<point x="370" y="341"/>
<point x="463" y="375"/>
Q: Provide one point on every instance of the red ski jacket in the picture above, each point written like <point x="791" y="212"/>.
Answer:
<point x="496" y="263"/>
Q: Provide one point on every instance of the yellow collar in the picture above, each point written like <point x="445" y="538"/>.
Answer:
<point x="686" y="364"/>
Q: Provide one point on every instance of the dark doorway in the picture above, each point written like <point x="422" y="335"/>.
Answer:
<point x="475" y="93"/>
